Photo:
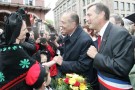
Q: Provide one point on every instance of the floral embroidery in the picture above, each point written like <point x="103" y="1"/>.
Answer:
<point x="25" y="63"/>
<point x="14" y="47"/>
<point x="20" y="47"/>
<point x="9" y="48"/>
<point x="4" y="49"/>
<point x="2" y="78"/>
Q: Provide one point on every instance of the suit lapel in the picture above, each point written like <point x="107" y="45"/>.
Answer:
<point x="105" y="36"/>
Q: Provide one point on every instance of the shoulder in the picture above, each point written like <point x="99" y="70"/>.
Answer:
<point x="85" y="36"/>
<point x="120" y="34"/>
<point x="119" y="31"/>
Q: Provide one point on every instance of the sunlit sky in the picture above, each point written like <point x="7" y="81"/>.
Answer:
<point x="51" y="4"/>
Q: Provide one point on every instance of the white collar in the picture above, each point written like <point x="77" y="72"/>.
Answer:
<point x="101" y="33"/>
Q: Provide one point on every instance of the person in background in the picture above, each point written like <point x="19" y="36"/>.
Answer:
<point x="43" y="45"/>
<point x="114" y="57"/>
<point x="92" y="33"/>
<point x="88" y="30"/>
<point x="59" y="42"/>
<point x="29" y="46"/>
<point x="116" y="19"/>
<point x="32" y="35"/>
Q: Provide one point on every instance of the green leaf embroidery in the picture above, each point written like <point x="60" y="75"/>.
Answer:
<point x="9" y="48"/>
<point x="20" y="47"/>
<point x="2" y="78"/>
<point x="14" y="47"/>
<point x="4" y="49"/>
<point x="25" y="63"/>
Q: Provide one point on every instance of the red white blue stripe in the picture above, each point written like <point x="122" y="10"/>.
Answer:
<point x="113" y="84"/>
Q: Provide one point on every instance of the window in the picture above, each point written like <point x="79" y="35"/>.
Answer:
<point x="5" y="0"/>
<point x="84" y="21"/>
<point x="58" y="11"/>
<point x="93" y="0"/>
<point x="29" y="2"/>
<point x="122" y="15"/>
<point x="69" y="9"/>
<point x="74" y="8"/>
<point x="69" y="3"/>
<point x="64" y="6"/>
<point x="55" y="13"/>
<point x="84" y="12"/>
<point x="61" y="9"/>
<point x="88" y="2"/>
<point x="128" y="6"/>
<point x="83" y="2"/>
<point x="116" y="5"/>
<point x="133" y="7"/>
<point x="73" y="1"/>
<point x="122" y="6"/>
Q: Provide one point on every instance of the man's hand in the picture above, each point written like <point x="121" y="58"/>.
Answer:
<point x="92" y="51"/>
<point x="58" y="59"/>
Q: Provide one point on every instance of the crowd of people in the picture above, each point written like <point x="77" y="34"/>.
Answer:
<point x="102" y="51"/>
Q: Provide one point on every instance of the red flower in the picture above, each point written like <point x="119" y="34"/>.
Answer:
<point x="77" y="84"/>
<point x="66" y="80"/>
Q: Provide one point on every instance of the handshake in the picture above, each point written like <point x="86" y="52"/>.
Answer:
<point x="58" y="59"/>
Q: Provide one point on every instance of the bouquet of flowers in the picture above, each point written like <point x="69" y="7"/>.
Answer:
<point x="72" y="82"/>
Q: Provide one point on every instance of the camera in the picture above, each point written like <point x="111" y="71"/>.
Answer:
<point x="52" y="37"/>
<point x="43" y="40"/>
<point x="41" y="33"/>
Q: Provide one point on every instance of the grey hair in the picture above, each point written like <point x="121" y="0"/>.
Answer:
<point x="101" y="7"/>
<point x="73" y="16"/>
<point x="117" y="18"/>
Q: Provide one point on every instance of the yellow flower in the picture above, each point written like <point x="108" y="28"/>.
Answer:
<point x="60" y="81"/>
<point x="80" y="79"/>
<point x="83" y="86"/>
<point x="74" y="88"/>
<point x="69" y="75"/>
<point x="72" y="81"/>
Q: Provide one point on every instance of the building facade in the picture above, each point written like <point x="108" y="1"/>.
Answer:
<point x="121" y="7"/>
<point x="64" y="6"/>
<point x="35" y="8"/>
<point x="36" y="13"/>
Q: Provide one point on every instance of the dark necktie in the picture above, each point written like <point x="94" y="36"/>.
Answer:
<point x="99" y="41"/>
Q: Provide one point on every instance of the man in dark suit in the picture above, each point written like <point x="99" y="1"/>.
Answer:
<point x="75" y="59"/>
<point x="114" y="58"/>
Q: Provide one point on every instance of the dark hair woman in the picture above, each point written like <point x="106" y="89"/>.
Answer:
<point x="14" y="62"/>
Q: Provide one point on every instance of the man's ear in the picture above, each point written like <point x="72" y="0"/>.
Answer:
<point x="44" y="84"/>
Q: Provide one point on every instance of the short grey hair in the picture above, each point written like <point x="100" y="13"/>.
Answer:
<point x="73" y="16"/>
<point x="117" y="18"/>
